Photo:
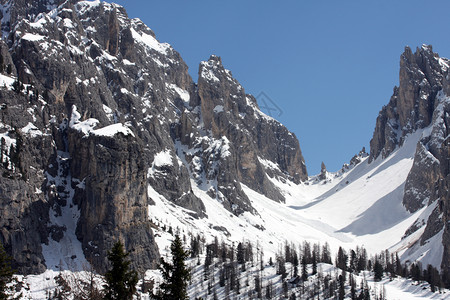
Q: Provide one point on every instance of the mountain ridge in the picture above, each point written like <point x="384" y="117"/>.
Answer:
<point x="117" y="128"/>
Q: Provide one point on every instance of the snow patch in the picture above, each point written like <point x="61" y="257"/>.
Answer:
<point x="32" y="37"/>
<point x="184" y="95"/>
<point x="32" y="130"/>
<point x="87" y="126"/>
<point x="218" y="109"/>
<point x="112" y="130"/>
<point x="150" y="41"/>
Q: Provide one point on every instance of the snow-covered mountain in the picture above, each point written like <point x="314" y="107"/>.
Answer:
<point x="105" y="136"/>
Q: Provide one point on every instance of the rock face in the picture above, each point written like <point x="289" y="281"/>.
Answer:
<point x="412" y="103"/>
<point x="323" y="171"/>
<point x="95" y="112"/>
<point x="421" y="103"/>
<point x="241" y="142"/>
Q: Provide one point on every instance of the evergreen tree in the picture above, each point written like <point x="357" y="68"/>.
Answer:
<point x="304" y="270"/>
<point x="6" y="273"/>
<point x="237" y="282"/>
<point x="258" y="287"/>
<point x="314" y="264"/>
<point x="240" y="256"/>
<point x="195" y="246"/>
<point x="362" y="258"/>
<point x="295" y="263"/>
<point x="208" y="260"/>
<point x="433" y="278"/>
<point x="416" y="272"/>
<point x="287" y="252"/>
<point x="398" y="266"/>
<point x="352" y="287"/>
<point x="341" y="259"/>
<point x="281" y="267"/>
<point x="378" y="270"/>
<point x="353" y="261"/>
<point x="326" y="255"/>
<point x="222" y="276"/>
<point x="120" y="280"/>
<point x="216" y="247"/>
<point x="307" y="252"/>
<point x="285" y="289"/>
<point x="269" y="290"/>
<point x="341" y="287"/>
<point x="176" y="275"/>
<point x="224" y="251"/>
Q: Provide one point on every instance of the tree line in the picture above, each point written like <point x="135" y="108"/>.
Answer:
<point x="240" y="270"/>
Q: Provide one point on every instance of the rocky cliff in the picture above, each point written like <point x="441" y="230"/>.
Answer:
<point x="421" y="103"/>
<point x="95" y="110"/>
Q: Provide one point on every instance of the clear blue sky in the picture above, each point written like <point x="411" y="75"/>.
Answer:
<point x="329" y="66"/>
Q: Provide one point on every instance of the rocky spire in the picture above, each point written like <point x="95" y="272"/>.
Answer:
<point x="412" y="103"/>
<point x="323" y="172"/>
<point x="254" y="137"/>
<point x="421" y="101"/>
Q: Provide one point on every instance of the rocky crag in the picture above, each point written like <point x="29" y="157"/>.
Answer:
<point x="421" y="102"/>
<point x="94" y="110"/>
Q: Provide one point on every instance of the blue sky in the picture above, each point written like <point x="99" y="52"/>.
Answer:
<point x="329" y="66"/>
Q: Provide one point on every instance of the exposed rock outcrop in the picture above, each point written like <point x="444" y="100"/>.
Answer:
<point x="421" y="103"/>
<point x="412" y="103"/>
<point x="110" y="112"/>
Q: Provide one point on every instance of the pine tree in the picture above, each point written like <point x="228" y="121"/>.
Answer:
<point x="341" y="287"/>
<point x="378" y="270"/>
<point x="352" y="287"/>
<point x="281" y="267"/>
<point x="341" y="259"/>
<point x="362" y="258"/>
<point x="314" y="264"/>
<point x="176" y="275"/>
<point x="295" y="263"/>
<point x="120" y="280"/>
<point x="6" y="273"/>
<point x="398" y="265"/>
<point x="416" y="272"/>
<point x="304" y="270"/>
<point x="285" y="289"/>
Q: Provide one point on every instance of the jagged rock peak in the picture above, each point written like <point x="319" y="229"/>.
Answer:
<point x="411" y="106"/>
<point x="323" y="172"/>
<point x="421" y="102"/>
<point x="220" y="92"/>
<point x="213" y="71"/>
<point x="216" y="58"/>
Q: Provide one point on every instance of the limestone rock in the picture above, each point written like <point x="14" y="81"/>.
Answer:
<point x="412" y="103"/>
<point x="421" y="102"/>
<point x="87" y="68"/>
<point x="323" y="172"/>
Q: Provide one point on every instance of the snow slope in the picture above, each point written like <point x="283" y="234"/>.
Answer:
<point x="360" y="207"/>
